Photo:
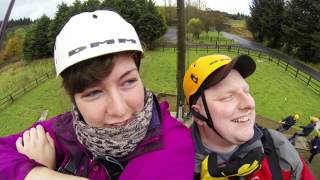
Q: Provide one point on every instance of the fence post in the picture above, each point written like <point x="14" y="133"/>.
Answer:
<point x="216" y="43"/>
<point x="259" y="54"/>
<point x="287" y="67"/>
<point x="11" y="97"/>
<point x="248" y="51"/>
<point x="218" y="49"/>
<point x="309" y="81"/>
<point x="238" y="50"/>
<point x="278" y="62"/>
<point x="207" y="48"/>
<point x="297" y="72"/>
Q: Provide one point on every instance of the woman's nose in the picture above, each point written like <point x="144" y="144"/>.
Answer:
<point x="117" y="106"/>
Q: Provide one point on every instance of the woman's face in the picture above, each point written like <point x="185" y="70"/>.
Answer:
<point x="114" y="101"/>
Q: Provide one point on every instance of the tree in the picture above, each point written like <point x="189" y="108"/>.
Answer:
<point x="207" y="18"/>
<point x="12" y="50"/>
<point x="302" y="28"/>
<point x="265" y="21"/>
<point x="220" y="23"/>
<point x="273" y="19"/>
<point x="36" y="44"/>
<point x="143" y="15"/>
<point x="61" y="17"/>
<point x="255" y="22"/>
<point x="91" y="5"/>
<point x="194" y="26"/>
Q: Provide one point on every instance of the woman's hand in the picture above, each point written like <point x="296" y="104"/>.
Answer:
<point x="38" y="145"/>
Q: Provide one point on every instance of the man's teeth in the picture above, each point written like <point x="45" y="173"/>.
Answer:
<point x="242" y="119"/>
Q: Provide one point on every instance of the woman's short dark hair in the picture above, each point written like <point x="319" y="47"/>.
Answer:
<point x="90" y="72"/>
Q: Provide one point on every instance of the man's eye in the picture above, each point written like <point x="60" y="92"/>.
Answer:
<point x="227" y="98"/>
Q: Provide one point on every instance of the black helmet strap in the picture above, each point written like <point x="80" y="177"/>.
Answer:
<point x="208" y="120"/>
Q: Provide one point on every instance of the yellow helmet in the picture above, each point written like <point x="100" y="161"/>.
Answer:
<point x="218" y="64"/>
<point x="296" y="116"/>
<point x="313" y="119"/>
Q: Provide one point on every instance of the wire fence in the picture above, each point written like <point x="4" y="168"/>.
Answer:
<point x="300" y="74"/>
<point x="10" y="98"/>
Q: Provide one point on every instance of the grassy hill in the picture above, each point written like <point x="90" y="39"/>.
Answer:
<point x="277" y="93"/>
<point x="17" y="75"/>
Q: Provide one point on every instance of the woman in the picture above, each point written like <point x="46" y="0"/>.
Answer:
<point x="116" y="129"/>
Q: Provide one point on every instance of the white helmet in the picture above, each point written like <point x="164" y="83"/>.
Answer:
<point x="92" y="34"/>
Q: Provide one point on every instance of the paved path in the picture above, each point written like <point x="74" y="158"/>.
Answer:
<point x="256" y="46"/>
<point x="171" y="37"/>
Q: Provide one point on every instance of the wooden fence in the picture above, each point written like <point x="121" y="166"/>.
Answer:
<point x="306" y="78"/>
<point x="8" y="99"/>
<point x="310" y="81"/>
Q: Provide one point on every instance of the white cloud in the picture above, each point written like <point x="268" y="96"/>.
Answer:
<point x="230" y="6"/>
<point x="31" y="8"/>
<point x="35" y="8"/>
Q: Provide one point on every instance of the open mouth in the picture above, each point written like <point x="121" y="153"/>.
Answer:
<point x="242" y="119"/>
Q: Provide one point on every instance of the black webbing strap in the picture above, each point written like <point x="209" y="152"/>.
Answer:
<point x="76" y="159"/>
<point x="272" y="156"/>
<point x="69" y="168"/>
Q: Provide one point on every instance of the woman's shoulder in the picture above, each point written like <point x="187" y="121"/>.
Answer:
<point x="168" y="121"/>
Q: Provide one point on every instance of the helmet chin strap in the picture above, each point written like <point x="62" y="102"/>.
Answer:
<point x="208" y="120"/>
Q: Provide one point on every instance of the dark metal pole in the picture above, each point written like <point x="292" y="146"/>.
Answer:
<point x="181" y="52"/>
<point x="5" y="21"/>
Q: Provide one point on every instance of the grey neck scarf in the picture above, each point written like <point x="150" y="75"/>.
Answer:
<point x="115" y="141"/>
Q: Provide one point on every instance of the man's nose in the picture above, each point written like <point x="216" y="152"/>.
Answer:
<point x="246" y="101"/>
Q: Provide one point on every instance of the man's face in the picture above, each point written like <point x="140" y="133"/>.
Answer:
<point x="232" y="108"/>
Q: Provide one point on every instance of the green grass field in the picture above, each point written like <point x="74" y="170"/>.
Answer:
<point x="239" y="27"/>
<point x="17" y="75"/>
<point x="209" y="38"/>
<point x="277" y="93"/>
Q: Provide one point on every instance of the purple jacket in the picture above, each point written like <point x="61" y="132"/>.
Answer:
<point x="165" y="153"/>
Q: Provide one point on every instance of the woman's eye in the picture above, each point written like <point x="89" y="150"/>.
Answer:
<point x="92" y="93"/>
<point x="129" y="82"/>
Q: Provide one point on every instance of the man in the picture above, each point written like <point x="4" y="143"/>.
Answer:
<point x="288" y="122"/>
<point x="306" y="130"/>
<point x="314" y="146"/>
<point x="228" y="142"/>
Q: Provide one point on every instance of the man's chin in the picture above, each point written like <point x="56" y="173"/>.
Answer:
<point x="244" y="139"/>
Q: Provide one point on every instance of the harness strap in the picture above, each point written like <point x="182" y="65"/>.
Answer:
<point x="272" y="156"/>
<point x="76" y="159"/>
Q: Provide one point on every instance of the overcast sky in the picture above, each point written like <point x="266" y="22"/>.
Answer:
<point x="35" y="8"/>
